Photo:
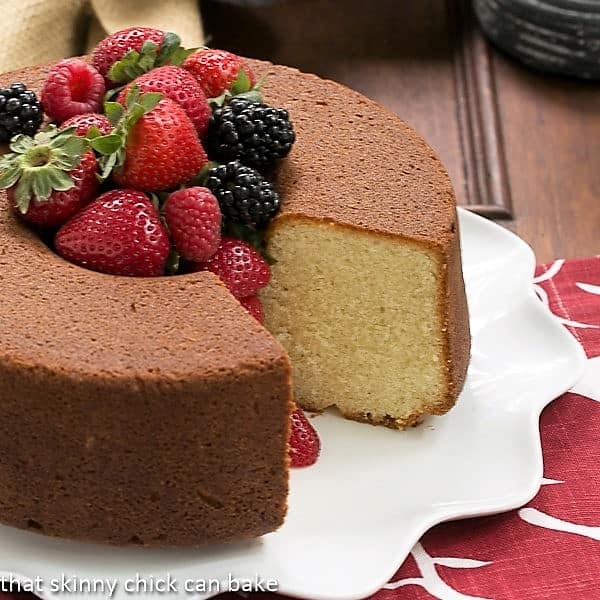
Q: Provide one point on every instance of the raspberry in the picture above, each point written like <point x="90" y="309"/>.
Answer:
<point x="254" y="133"/>
<point x="243" y="194"/>
<point x="304" y="441"/>
<point x="194" y="220"/>
<point x="239" y="266"/>
<point x="217" y="71"/>
<point x="72" y="87"/>
<point x="254" y="307"/>
<point x="82" y="123"/>
<point x="20" y="111"/>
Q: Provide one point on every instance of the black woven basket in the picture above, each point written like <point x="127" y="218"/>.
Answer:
<point x="559" y="36"/>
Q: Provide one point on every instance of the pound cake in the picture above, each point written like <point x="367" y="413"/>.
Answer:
<point x="156" y="411"/>
<point x="367" y="294"/>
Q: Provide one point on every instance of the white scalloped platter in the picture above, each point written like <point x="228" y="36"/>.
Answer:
<point x="354" y="516"/>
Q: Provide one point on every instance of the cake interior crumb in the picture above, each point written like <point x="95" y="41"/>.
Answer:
<point x="360" y="318"/>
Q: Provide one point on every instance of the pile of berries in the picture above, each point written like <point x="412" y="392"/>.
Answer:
<point x="152" y="161"/>
<point x="122" y="172"/>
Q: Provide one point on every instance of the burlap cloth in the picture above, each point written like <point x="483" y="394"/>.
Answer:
<point x="39" y="31"/>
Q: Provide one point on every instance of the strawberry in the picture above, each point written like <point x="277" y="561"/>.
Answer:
<point x="60" y="206"/>
<point x="254" y="307"/>
<point x="153" y="146"/>
<point x="72" y="87"/>
<point x="162" y="150"/>
<point x="239" y="266"/>
<point x="83" y="123"/>
<point x="49" y="177"/>
<point x="119" y="233"/>
<point x="194" y="220"/>
<point x="218" y="71"/>
<point x="127" y="54"/>
<point x="114" y="47"/>
<point x="181" y="87"/>
<point x="304" y="441"/>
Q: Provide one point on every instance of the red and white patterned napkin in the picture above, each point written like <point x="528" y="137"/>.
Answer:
<point x="550" y="548"/>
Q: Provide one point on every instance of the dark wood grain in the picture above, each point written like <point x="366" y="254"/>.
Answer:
<point x="512" y="139"/>
<point x="551" y="128"/>
<point x="487" y="190"/>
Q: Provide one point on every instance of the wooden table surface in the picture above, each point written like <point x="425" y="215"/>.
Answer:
<point x="521" y="147"/>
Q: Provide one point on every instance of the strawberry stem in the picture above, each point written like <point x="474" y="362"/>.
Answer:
<point x="111" y="147"/>
<point x="240" y="88"/>
<point x="39" y="165"/>
<point x="134" y="63"/>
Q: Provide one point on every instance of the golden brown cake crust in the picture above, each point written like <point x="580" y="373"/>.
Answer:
<point x="357" y="164"/>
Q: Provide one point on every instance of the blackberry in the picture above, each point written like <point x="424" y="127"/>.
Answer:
<point x="20" y="111"/>
<point x="243" y="194"/>
<point x="253" y="133"/>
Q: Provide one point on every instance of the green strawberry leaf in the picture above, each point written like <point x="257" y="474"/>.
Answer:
<point x="71" y="145"/>
<point x="9" y="175"/>
<point x="202" y="176"/>
<point x="260" y="83"/>
<point x="41" y="187"/>
<point x="45" y="136"/>
<point x="93" y="132"/>
<point x="132" y="96"/>
<point x="271" y="260"/>
<point x="149" y="100"/>
<point x="58" y="135"/>
<point x="117" y="71"/>
<point x="133" y="115"/>
<point x="219" y="101"/>
<point x="252" y="96"/>
<point x="23" y="192"/>
<point x="170" y="43"/>
<point x="21" y="143"/>
<point x="107" y="164"/>
<point x="147" y="60"/>
<point x="179" y="55"/>
<point x="107" y="144"/>
<point x="171" y="52"/>
<point x="63" y="161"/>
<point x="114" y="111"/>
<point x="126" y="69"/>
<point x="59" y="180"/>
<point x="149" y="48"/>
<point x="109" y="95"/>
<point x="241" y="84"/>
<point x="161" y="199"/>
<point x="239" y="89"/>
